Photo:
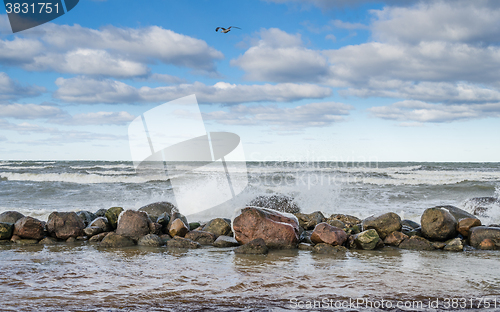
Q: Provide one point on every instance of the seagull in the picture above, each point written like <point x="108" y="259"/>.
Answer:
<point x="226" y="30"/>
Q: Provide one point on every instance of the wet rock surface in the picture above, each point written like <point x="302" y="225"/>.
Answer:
<point x="133" y="224"/>
<point x="218" y="227"/>
<point x="325" y="233"/>
<point x="64" y="225"/>
<point x="384" y="224"/>
<point x="438" y="224"/>
<point x="29" y="228"/>
<point x="225" y="242"/>
<point x="254" y="247"/>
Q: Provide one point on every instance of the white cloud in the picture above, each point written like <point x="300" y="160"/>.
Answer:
<point x="30" y="111"/>
<point x="86" y="90"/>
<point x="288" y="118"/>
<point x="347" y="25"/>
<point x="422" y="112"/>
<point x="102" y="118"/>
<point x="11" y="89"/>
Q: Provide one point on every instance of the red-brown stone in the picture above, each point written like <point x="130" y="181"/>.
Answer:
<point x="325" y="233"/>
<point x="29" y="228"/>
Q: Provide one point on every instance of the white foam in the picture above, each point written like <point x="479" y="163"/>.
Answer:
<point x="74" y="178"/>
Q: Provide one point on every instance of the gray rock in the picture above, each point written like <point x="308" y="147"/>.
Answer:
<point x="305" y="237"/>
<point x="99" y="237"/>
<point x="202" y="237"/>
<point x="218" y="227"/>
<point x="384" y="224"/>
<point x="165" y="238"/>
<point x="416" y="243"/>
<point x="100" y="213"/>
<point x="480" y="233"/>
<point x="367" y="240"/>
<point x="310" y="220"/>
<point x="114" y="240"/>
<point x="92" y="230"/>
<point x="164" y="220"/>
<point x="438" y="224"/>
<point x="456" y="212"/>
<point x="86" y="217"/>
<point x="225" y="241"/>
<point x="181" y="242"/>
<point x="103" y="223"/>
<point x="256" y="246"/>
<point x="10" y="217"/>
<point x="328" y="249"/>
<point x="304" y="246"/>
<point x="336" y="223"/>
<point x="6" y="230"/>
<point x="409" y="223"/>
<point x="151" y="240"/>
<point x="276" y="202"/>
<point x="155" y="210"/>
<point x="454" y="245"/>
<point x="112" y="215"/>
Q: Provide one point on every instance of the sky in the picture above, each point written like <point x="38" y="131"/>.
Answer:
<point x="313" y="80"/>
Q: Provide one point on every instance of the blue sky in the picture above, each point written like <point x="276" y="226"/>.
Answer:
<point x="301" y="80"/>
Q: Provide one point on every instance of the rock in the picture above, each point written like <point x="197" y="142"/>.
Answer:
<point x="415" y="232"/>
<point x="438" y="245"/>
<point x="103" y="223"/>
<point x="10" y="217"/>
<point x="48" y="241"/>
<point x="367" y="240"/>
<point x="6" y="230"/>
<point x="336" y="223"/>
<point x="86" y="216"/>
<point x="395" y="238"/>
<point x="454" y="245"/>
<point x="100" y="213"/>
<point x="309" y="221"/>
<point x="405" y="229"/>
<point x="416" y="243"/>
<point x="92" y="230"/>
<point x="305" y="237"/>
<point x="384" y="224"/>
<point x="164" y="220"/>
<point x="202" y="237"/>
<point x="464" y="225"/>
<point x="438" y="224"/>
<point x="181" y="242"/>
<point x="278" y="202"/>
<point x="225" y="241"/>
<point x="112" y="215"/>
<point x="218" y="227"/>
<point x="410" y="224"/>
<point x="82" y="238"/>
<point x="29" y="228"/>
<point x="355" y="229"/>
<point x="327" y="234"/>
<point x="151" y="240"/>
<point x="99" y="237"/>
<point x="348" y="220"/>
<point x="178" y="228"/>
<point x="256" y="246"/>
<point x="14" y="238"/>
<point x="165" y="238"/>
<point x="25" y="242"/>
<point x="480" y="233"/>
<point x="456" y="212"/>
<point x="328" y="249"/>
<point x="64" y="225"/>
<point x="304" y="246"/>
<point x="155" y="210"/>
<point x="116" y="240"/>
<point x="193" y="225"/>
<point x="71" y="240"/>
<point x="276" y="229"/>
<point x="175" y="216"/>
<point x="155" y="228"/>
<point x="487" y="244"/>
<point x="133" y="224"/>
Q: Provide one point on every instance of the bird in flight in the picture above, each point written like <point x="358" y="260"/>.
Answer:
<point x="225" y="30"/>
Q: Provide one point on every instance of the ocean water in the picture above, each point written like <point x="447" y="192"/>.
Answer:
<point x="83" y="277"/>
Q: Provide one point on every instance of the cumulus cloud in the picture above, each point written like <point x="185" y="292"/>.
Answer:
<point x="101" y="118"/>
<point x="110" y="51"/>
<point x="11" y="89"/>
<point x="30" y="111"/>
<point x="91" y="91"/>
<point x="283" y="118"/>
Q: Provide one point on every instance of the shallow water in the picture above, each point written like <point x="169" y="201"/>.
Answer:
<point x="86" y="278"/>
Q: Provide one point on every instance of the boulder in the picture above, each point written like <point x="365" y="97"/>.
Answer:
<point x="178" y="228"/>
<point x="175" y="216"/>
<point x="202" y="237"/>
<point x="384" y="224"/>
<point x="48" y="241"/>
<point x="112" y="215"/>
<point x="367" y="240"/>
<point x="409" y="223"/>
<point x="165" y="238"/>
<point x="155" y="228"/>
<point x="164" y="220"/>
<point x="26" y="242"/>
<point x="336" y="223"/>
<point x="305" y="237"/>
<point x="454" y="245"/>
<point x="328" y="249"/>
<point x="276" y="229"/>
<point x="348" y="220"/>
<point x="395" y="238"/>
<point x="102" y="223"/>
<point x="310" y="220"/>
<point x="116" y="240"/>
<point x="416" y="243"/>
<point x="10" y="217"/>
<point x="438" y="245"/>
<point x="438" y="224"/>
<point x="194" y="225"/>
<point x="133" y="224"/>
<point x="92" y="230"/>
<point x="99" y="237"/>
<point x="71" y="240"/>
<point x="86" y="216"/>
<point x="100" y="213"/>
<point x="327" y="234"/>
<point x="456" y="212"/>
<point x="464" y="225"/>
<point x="278" y="202"/>
<point x="64" y="225"/>
<point x="256" y="246"/>
<point x="6" y="230"/>
<point x="218" y="227"/>
<point x="307" y="247"/>
<point x="151" y="240"/>
<point x="155" y="210"/>
<point x="487" y="244"/>
<point x="181" y="242"/>
<point x="225" y="241"/>
<point x="480" y="233"/>
<point x="29" y="228"/>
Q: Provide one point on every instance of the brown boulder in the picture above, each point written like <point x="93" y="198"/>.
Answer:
<point x="416" y="243"/>
<point x="64" y="225"/>
<point x="181" y="242"/>
<point x="480" y="233"/>
<point x="10" y="217"/>
<point x="202" y="237"/>
<point x="254" y="247"/>
<point x="178" y="228"/>
<point x="310" y="220"/>
<point x="349" y="221"/>
<point x="218" y="227"/>
<point x="276" y="229"/>
<point x="29" y="228"/>
<point x="384" y="224"/>
<point x="464" y="225"/>
<point x="395" y="238"/>
<point x="487" y="244"/>
<point x="116" y="240"/>
<point x="438" y="224"/>
<point x="103" y="223"/>
<point x="325" y="233"/>
<point x="155" y="210"/>
<point x="133" y="224"/>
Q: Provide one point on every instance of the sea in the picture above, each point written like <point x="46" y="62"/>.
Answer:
<point x="83" y="277"/>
